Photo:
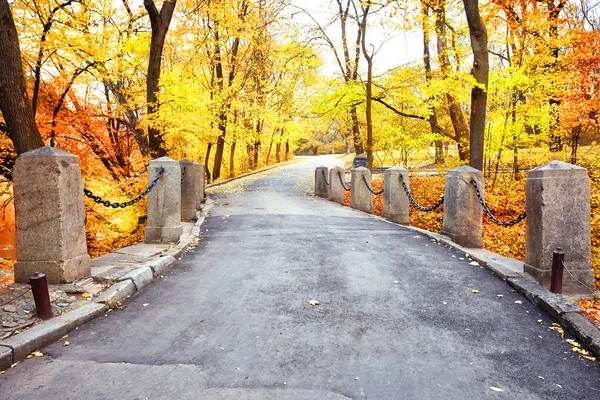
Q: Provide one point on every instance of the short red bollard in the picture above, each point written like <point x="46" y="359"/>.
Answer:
<point x="556" y="279"/>
<point x="39" y="288"/>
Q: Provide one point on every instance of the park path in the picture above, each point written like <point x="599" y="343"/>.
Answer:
<point x="397" y="317"/>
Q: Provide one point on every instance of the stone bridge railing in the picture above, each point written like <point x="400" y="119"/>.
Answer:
<point x="50" y="210"/>
<point x="557" y="213"/>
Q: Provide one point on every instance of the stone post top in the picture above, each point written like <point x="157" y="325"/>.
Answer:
<point x="464" y="169"/>
<point x="557" y="168"/>
<point x="396" y="168"/>
<point x="187" y="162"/>
<point x="321" y="166"/>
<point x="48" y="151"/>
<point x="361" y="169"/>
<point x="196" y="163"/>
<point x="337" y="168"/>
<point x="164" y="160"/>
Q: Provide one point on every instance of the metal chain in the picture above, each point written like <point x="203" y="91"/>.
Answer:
<point x="577" y="280"/>
<point x="342" y="182"/>
<point x="324" y="177"/>
<point x="487" y="211"/>
<point x="107" y="203"/>
<point x="183" y="174"/>
<point x="414" y="203"/>
<point x="370" y="188"/>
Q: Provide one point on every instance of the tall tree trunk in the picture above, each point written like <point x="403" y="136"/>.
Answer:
<point x="461" y="130"/>
<point x="358" y="146"/>
<point x="480" y="71"/>
<point x="14" y="102"/>
<point x="206" y="169"/>
<point x="159" y="22"/>
<point x="232" y="158"/>
<point x="433" y="124"/>
<point x="278" y="147"/>
<point x="287" y="150"/>
<point x="220" y="145"/>
<point x="369" y="88"/>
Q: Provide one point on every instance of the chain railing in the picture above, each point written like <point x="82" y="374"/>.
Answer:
<point x="131" y="202"/>
<point x="413" y="201"/>
<point x="370" y="188"/>
<point x="325" y="177"/>
<point x="183" y="174"/>
<point x="347" y="189"/>
<point x="487" y="211"/>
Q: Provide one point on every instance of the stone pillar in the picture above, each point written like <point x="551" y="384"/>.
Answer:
<point x="336" y="190"/>
<point x="201" y="177"/>
<point x="558" y="215"/>
<point x="360" y="197"/>
<point x="321" y="186"/>
<point x="463" y="215"/>
<point x="164" y="202"/>
<point x="189" y="191"/>
<point x="395" y="201"/>
<point x="50" y="216"/>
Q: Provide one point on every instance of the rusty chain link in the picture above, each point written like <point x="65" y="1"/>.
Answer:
<point x="413" y="201"/>
<point x="131" y="202"/>
<point x="342" y="182"/>
<point x="183" y="174"/>
<point x="487" y="211"/>
<point x="324" y="176"/>
<point x="370" y="188"/>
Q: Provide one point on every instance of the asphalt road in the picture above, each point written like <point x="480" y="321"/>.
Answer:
<point x="397" y="317"/>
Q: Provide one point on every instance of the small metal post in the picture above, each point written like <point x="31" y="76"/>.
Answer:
<point x="556" y="279"/>
<point x="39" y="288"/>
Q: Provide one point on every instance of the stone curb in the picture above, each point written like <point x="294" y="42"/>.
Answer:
<point x="18" y="347"/>
<point x="258" y="171"/>
<point x="25" y="343"/>
<point x="558" y="306"/>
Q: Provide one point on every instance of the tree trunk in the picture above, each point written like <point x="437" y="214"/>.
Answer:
<point x="287" y="150"/>
<point x="461" y="130"/>
<point x="206" y="169"/>
<point x="159" y="22"/>
<point x="480" y="72"/>
<point x="14" y="102"/>
<point x="358" y="146"/>
<point x="232" y="159"/>
<point x="369" y="88"/>
<point x="433" y="124"/>
<point x="220" y="145"/>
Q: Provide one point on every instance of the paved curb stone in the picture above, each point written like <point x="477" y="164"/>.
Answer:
<point x="6" y="357"/>
<point x="117" y="293"/>
<point x="139" y="276"/>
<point x="49" y="331"/>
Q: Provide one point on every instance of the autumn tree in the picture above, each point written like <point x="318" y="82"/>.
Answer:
<point x="14" y="101"/>
<point x="159" y="22"/>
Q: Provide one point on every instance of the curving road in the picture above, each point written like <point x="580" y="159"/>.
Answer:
<point x="397" y="317"/>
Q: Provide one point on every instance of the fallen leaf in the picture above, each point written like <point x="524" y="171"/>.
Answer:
<point x="518" y="302"/>
<point x="475" y="291"/>
<point x="573" y="343"/>
<point x="474" y="263"/>
<point x="86" y="295"/>
<point x="539" y="321"/>
<point x="500" y="296"/>
<point x="37" y="354"/>
<point x="145" y="304"/>
<point x="314" y="302"/>
<point x="396" y="282"/>
<point x="589" y="358"/>
<point x="496" y="389"/>
<point x="66" y="343"/>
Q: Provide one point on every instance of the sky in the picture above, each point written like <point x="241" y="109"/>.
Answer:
<point x="394" y="47"/>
